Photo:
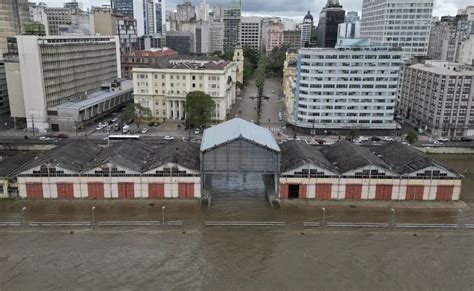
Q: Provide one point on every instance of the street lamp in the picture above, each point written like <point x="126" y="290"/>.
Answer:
<point x="324" y="216"/>
<point x="93" y="216"/>
<point x="461" y="218"/>
<point x="163" y="214"/>
<point x="393" y="217"/>
<point x="23" y="215"/>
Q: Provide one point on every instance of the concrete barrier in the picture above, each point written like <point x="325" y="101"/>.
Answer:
<point x="10" y="224"/>
<point x="312" y="224"/>
<point x="426" y="225"/>
<point x="358" y="225"/>
<point x="244" y="223"/>
<point x="60" y="223"/>
<point x="128" y="223"/>
<point x="175" y="223"/>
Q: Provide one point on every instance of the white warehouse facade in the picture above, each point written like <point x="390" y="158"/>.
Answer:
<point x="351" y="86"/>
<point x="164" y="87"/>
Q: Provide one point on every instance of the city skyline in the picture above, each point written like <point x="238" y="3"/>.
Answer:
<point x="287" y="8"/>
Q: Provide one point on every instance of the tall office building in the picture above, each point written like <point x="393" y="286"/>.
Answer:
<point x="251" y="32"/>
<point x="442" y="43"/>
<point x="216" y="38"/>
<point x="53" y="70"/>
<point x="437" y="96"/>
<point x="350" y="28"/>
<point x="232" y="25"/>
<point x="274" y="33"/>
<point x="203" y="11"/>
<point x="14" y="14"/>
<point x="351" y="86"/>
<point x="306" y="29"/>
<point x="123" y="7"/>
<point x="148" y="13"/>
<point x="69" y="20"/>
<point x="4" y="105"/>
<point x="405" y="24"/>
<point x="329" y="19"/>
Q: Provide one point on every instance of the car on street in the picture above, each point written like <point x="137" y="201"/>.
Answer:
<point x="363" y="138"/>
<point x="168" y="137"/>
<point x="114" y="119"/>
<point x="44" y="138"/>
<point x="442" y="139"/>
<point x="376" y="138"/>
<point x="197" y="131"/>
<point x="465" y="138"/>
<point x="62" y="135"/>
<point x="388" y="138"/>
<point x="144" y="130"/>
<point x="437" y="142"/>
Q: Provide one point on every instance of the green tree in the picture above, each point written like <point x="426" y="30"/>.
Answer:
<point x="353" y="134"/>
<point x="412" y="137"/>
<point x="260" y="75"/>
<point x="276" y="59"/>
<point x="199" y="106"/>
<point x="136" y="112"/>
<point x="251" y="57"/>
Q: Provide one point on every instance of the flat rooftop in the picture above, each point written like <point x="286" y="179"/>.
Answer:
<point x="95" y="98"/>
<point x="442" y="70"/>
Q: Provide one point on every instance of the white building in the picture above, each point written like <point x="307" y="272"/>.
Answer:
<point x="163" y="89"/>
<point x="404" y="24"/>
<point x="52" y="70"/>
<point x="146" y="12"/>
<point x="350" y="28"/>
<point x="351" y="86"/>
<point x="38" y="14"/>
<point x="216" y="36"/>
<point x="306" y="29"/>
<point x="251" y="32"/>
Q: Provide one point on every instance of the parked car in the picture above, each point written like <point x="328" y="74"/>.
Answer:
<point x="363" y="138"/>
<point x="114" y="119"/>
<point x="465" y="138"/>
<point x="168" y="137"/>
<point x="376" y="138"/>
<point x="62" y="135"/>
<point x="388" y="138"/>
<point x="44" y="138"/>
<point x="144" y="130"/>
<point x="443" y="139"/>
<point x="437" y="142"/>
<point x="125" y="129"/>
<point x="197" y="131"/>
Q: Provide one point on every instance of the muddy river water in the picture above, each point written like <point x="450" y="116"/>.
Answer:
<point x="196" y="257"/>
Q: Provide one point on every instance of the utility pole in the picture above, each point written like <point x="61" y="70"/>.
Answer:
<point x="33" y="124"/>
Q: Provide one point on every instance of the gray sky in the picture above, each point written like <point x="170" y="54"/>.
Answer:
<point x="288" y="8"/>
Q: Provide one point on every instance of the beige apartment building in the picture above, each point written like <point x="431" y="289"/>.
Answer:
<point x="163" y="88"/>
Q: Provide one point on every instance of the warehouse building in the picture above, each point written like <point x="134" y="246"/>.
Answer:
<point x="126" y="170"/>
<point x="347" y="171"/>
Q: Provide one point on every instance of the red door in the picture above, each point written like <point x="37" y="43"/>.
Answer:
<point x="186" y="190"/>
<point x="302" y="191"/>
<point x="283" y="191"/>
<point x="95" y="190"/>
<point x="414" y="193"/>
<point x="354" y="191"/>
<point x="383" y="192"/>
<point x="34" y="190"/>
<point x="65" y="190"/>
<point x="126" y="190"/>
<point x="156" y="190"/>
<point x="444" y="193"/>
<point x="323" y="191"/>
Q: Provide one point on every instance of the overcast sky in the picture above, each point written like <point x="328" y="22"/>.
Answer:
<point x="287" y="8"/>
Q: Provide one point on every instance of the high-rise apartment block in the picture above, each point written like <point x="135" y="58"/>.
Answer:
<point x="350" y="28"/>
<point x="351" y="86"/>
<point x="251" y="32"/>
<point x="404" y="24"/>
<point x="329" y="19"/>
<point x="52" y="70"/>
<point x="164" y="87"/>
<point x="274" y="35"/>
<point x="14" y="14"/>
<point x="149" y="14"/>
<point x="231" y="20"/>
<point x="306" y="30"/>
<point x="216" y="36"/>
<point x="438" y="97"/>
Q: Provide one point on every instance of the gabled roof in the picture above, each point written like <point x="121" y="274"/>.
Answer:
<point x="12" y="162"/>
<point x="405" y="159"/>
<point x="295" y="154"/>
<point x="73" y="156"/>
<point x="178" y="152"/>
<point x="347" y="156"/>
<point x="234" y="129"/>
<point x="133" y="155"/>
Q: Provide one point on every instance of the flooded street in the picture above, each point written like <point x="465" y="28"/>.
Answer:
<point x="196" y="257"/>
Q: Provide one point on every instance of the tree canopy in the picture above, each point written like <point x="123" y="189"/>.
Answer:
<point x="412" y="137"/>
<point x="136" y="112"/>
<point x="199" y="106"/>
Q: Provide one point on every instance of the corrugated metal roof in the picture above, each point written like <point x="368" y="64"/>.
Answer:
<point x="234" y="129"/>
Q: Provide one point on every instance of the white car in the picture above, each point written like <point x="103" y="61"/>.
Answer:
<point x="437" y="142"/>
<point x="443" y="139"/>
<point x="114" y="119"/>
<point x="145" y="130"/>
<point x="197" y="131"/>
<point x="44" y="138"/>
<point x="168" y="137"/>
<point x="387" y="138"/>
<point x="363" y="138"/>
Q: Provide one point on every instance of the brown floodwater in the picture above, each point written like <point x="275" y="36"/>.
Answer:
<point x="196" y="257"/>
